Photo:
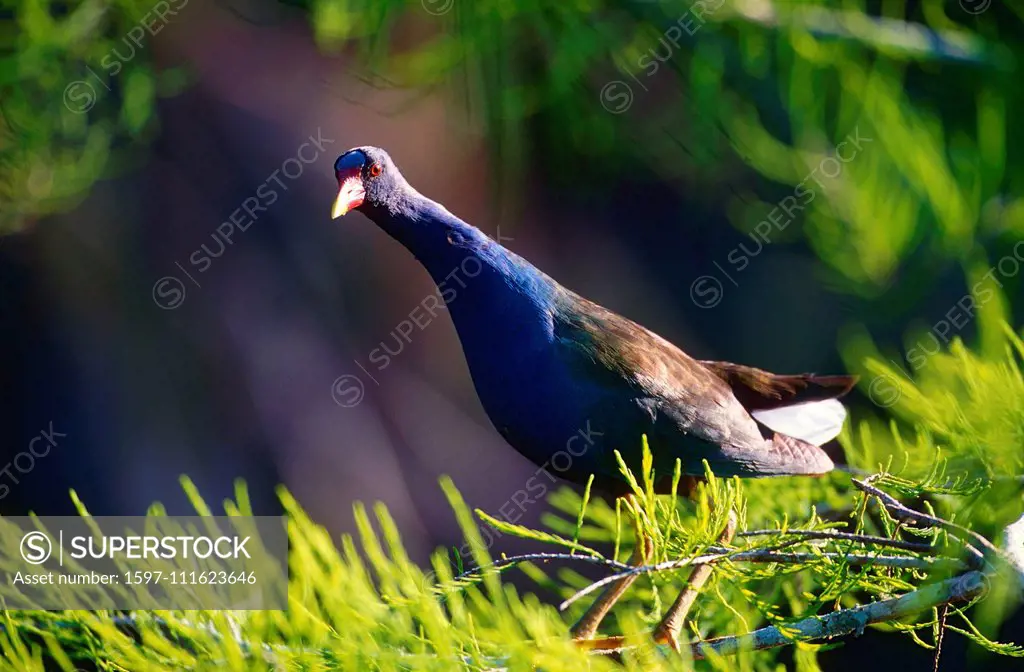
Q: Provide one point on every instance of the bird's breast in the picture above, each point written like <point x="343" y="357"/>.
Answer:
<point x="543" y="413"/>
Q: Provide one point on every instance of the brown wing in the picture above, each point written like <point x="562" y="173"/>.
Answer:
<point x="693" y="412"/>
<point x="761" y="390"/>
<point x="617" y="353"/>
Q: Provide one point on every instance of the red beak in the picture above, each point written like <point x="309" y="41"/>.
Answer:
<point x="350" y="192"/>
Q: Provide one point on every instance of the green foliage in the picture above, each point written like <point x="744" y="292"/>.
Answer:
<point x="363" y="604"/>
<point x="765" y="88"/>
<point x="962" y="427"/>
<point x="76" y="83"/>
<point x="768" y="92"/>
<point x="959" y="424"/>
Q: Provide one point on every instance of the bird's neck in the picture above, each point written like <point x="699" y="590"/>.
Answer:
<point x="426" y="228"/>
<point x="488" y="288"/>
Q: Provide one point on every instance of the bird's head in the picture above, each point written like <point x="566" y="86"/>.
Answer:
<point x="366" y="175"/>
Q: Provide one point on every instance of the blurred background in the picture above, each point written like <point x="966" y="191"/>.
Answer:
<point x="783" y="184"/>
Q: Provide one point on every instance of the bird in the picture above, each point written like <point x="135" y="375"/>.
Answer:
<point x="549" y="365"/>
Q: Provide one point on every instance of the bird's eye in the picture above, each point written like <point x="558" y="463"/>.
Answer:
<point x="375" y="170"/>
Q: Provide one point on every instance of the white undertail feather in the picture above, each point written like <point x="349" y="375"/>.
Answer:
<point x="814" y="421"/>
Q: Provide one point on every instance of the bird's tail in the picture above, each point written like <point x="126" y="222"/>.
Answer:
<point x="815" y="422"/>
<point x="804" y="406"/>
<point x="760" y="390"/>
<point x="789" y="456"/>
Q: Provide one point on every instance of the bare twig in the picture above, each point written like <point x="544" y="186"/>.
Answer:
<point x="940" y="636"/>
<point x="891" y="503"/>
<point x="717" y="553"/>
<point x="855" y="559"/>
<point x="900" y="561"/>
<point x="542" y="557"/>
<point x="586" y="627"/>
<point x="672" y="624"/>
<point x="847" y="536"/>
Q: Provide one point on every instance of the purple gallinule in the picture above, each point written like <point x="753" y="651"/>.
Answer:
<point x="547" y="362"/>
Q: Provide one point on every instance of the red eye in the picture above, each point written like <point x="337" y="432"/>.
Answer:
<point x="375" y="170"/>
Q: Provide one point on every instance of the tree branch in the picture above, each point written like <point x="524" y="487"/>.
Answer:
<point x="855" y="559"/>
<point x="960" y="589"/>
<point x="542" y="557"/>
<point x="718" y="552"/>
<point x="891" y="503"/>
<point x="847" y="536"/>
<point x="855" y="620"/>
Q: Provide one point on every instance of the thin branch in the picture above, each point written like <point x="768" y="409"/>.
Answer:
<point x="940" y="636"/>
<point x="848" y="536"/>
<point x="512" y="560"/>
<point x="672" y="624"/>
<point x="891" y="503"/>
<point x="902" y="562"/>
<point x="719" y="552"/>
<point x="855" y="559"/>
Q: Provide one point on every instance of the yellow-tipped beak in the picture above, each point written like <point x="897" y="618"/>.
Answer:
<point x="340" y="208"/>
<point x="350" y="195"/>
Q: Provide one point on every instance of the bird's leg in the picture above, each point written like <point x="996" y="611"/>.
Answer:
<point x="668" y="630"/>
<point x="585" y="629"/>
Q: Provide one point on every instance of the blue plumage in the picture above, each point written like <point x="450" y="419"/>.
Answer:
<point x="566" y="381"/>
